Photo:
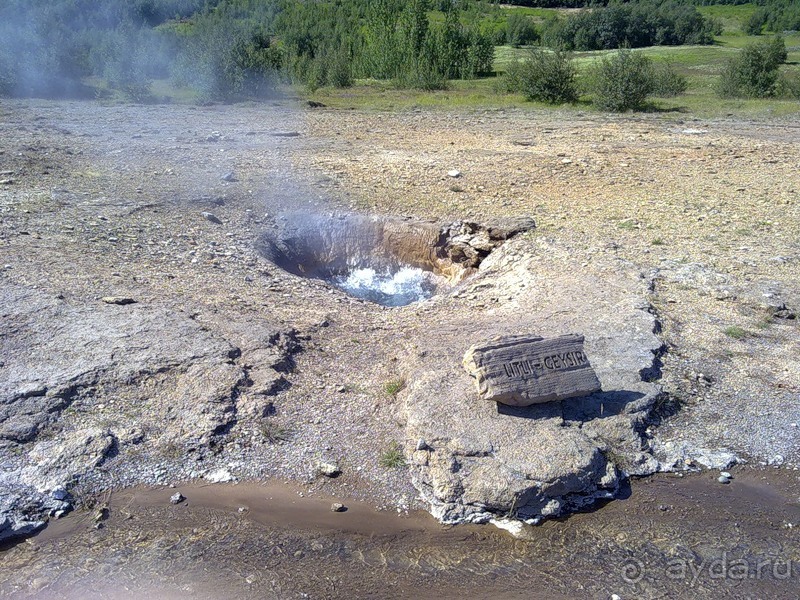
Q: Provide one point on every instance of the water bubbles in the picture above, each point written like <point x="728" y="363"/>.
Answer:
<point x="399" y="287"/>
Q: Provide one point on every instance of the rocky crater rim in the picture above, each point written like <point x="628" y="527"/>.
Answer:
<point x="327" y="246"/>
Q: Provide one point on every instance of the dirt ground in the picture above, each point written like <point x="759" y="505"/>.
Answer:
<point x="107" y="200"/>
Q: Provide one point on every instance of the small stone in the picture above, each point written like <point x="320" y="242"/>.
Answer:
<point x="176" y="498"/>
<point x="566" y="161"/>
<point x="328" y="469"/>
<point x="211" y="217"/>
<point x="454" y="173"/>
<point x="338" y="507"/>
<point x="421" y="444"/>
<point x="229" y="176"/>
<point x="119" y="300"/>
<point x="221" y="475"/>
<point x="726" y="474"/>
<point x="722" y="479"/>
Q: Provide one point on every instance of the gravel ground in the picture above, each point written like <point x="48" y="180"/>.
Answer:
<point x="709" y="209"/>
<point x="102" y="201"/>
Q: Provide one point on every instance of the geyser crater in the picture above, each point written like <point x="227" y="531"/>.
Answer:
<point x="386" y="260"/>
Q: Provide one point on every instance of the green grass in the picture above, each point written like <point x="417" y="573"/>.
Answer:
<point x="393" y="457"/>
<point x="735" y="332"/>
<point x="732" y="17"/>
<point x="394" y="387"/>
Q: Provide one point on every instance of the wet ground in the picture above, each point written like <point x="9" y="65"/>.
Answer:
<point x="672" y="536"/>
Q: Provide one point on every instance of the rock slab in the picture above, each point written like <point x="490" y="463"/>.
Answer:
<point x="522" y="370"/>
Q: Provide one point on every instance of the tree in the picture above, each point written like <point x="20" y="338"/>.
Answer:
<point x="520" y="31"/>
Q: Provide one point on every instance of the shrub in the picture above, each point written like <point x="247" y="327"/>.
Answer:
<point x="623" y="81"/>
<point x="753" y="73"/>
<point x="546" y="76"/>
<point x="667" y="82"/>
<point x="789" y="86"/>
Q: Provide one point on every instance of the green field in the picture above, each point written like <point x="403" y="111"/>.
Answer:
<point x="700" y="64"/>
<point x="732" y="17"/>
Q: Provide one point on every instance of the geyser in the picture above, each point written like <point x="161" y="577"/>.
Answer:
<point x="389" y="261"/>
<point x="389" y="288"/>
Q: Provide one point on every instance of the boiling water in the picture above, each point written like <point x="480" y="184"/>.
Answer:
<point x="390" y="288"/>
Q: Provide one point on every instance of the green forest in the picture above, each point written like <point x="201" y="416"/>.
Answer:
<point x="228" y="50"/>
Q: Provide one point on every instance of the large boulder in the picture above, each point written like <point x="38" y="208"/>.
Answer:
<point x="474" y="460"/>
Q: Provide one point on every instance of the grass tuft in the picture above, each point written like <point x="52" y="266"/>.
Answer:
<point x="394" y="387"/>
<point x="274" y="434"/>
<point x="393" y="457"/>
<point x="735" y="332"/>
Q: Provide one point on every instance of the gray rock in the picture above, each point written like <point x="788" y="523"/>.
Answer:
<point x="11" y="529"/>
<point x="177" y="498"/>
<point x="723" y="479"/>
<point x="119" y="300"/>
<point x="338" y="507"/>
<point x="485" y="460"/>
<point x="523" y="370"/>
<point x="55" y="464"/>
<point x="219" y="476"/>
<point x="328" y="469"/>
<point x="100" y="362"/>
<point x="683" y="455"/>
<point x="211" y="217"/>
<point x="229" y="176"/>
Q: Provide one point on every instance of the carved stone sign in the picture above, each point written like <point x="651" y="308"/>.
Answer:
<point x="523" y="370"/>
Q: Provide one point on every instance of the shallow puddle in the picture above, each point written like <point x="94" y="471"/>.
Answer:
<point x="671" y="536"/>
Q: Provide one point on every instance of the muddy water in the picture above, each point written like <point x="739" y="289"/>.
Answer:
<point x="671" y="537"/>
